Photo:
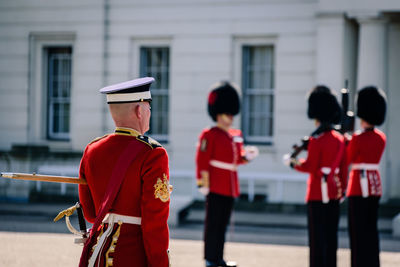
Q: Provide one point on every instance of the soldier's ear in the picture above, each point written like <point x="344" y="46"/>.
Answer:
<point x="136" y="111"/>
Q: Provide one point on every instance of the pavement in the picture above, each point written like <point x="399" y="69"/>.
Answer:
<point x="246" y="227"/>
<point x="279" y="220"/>
<point x="278" y="229"/>
<point x="54" y="249"/>
<point x="31" y="238"/>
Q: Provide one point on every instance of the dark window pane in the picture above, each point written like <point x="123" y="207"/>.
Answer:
<point x="59" y="91"/>
<point x="257" y="86"/>
<point x="155" y="63"/>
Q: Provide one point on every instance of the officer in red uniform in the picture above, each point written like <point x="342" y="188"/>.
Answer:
<point x="326" y="184"/>
<point x="220" y="150"/>
<point x="364" y="152"/>
<point x="132" y="225"/>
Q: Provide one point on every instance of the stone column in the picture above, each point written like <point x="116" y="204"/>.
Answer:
<point x="372" y="51"/>
<point x="372" y="67"/>
<point x="336" y="56"/>
<point x="329" y="49"/>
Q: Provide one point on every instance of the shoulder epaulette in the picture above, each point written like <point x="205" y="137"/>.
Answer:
<point x="98" y="138"/>
<point x="148" y="141"/>
<point x="208" y="130"/>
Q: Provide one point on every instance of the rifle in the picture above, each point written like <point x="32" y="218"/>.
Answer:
<point x="347" y="122"/>
<point x="43" y="178"/>
<point x="304" y="141"/>
<point x="68" y="212"/>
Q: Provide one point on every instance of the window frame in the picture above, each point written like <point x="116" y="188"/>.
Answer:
<point x="136" y="71"/>
<point x="239" y="76"/>
<point x="38" y="93"/>
<point x="161" y="94"/>
<point x="60" y="136"/>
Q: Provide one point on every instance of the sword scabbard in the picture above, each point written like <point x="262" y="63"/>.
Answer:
<point x="81" y="218"/>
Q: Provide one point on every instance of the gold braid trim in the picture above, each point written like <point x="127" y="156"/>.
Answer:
<point x="339" y="187"/>
<point x="67" y="212"/>
<point x="111" y="249"/>
<point x="98" y="237"/>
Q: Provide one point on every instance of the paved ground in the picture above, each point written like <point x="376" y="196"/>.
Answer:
<point x="49" y="249"/>
<point x="30" y="238"/>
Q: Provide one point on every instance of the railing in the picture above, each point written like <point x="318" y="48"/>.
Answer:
<point x="252" y="179"/>
<point x="62" y="170"/>
<point x="278" y="178"/>
<point x="182" y="179"/>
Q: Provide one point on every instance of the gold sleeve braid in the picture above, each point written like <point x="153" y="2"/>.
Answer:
<point x="205" y="179"/>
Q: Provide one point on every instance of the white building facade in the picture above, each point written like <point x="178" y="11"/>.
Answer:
<point x="56" y="55"/>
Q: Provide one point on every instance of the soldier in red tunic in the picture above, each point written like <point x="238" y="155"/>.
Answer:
<point x="326" y="184"/>
<point x="364" y="152"/>
<point x="132" y="225"/>
<point x="220" y="150"/>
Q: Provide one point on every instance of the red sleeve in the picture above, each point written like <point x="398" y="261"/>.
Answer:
<point x="203" y="155"/>
<point x="242" y="152"/>
<point x="85" y="197"/>
<point x="310" y="164"/>
<point x="155" y="207"/>
<point x="351" y="150"/>
<point x="343" y="171"/>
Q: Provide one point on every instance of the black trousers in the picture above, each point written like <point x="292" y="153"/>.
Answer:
<point x="218" y="213"/>
<point x="323" y="221"/>
<point x="363" y="231"/>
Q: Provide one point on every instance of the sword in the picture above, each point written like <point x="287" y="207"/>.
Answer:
<point x="68" y="212"/>
<point x="43" y="178"/>
<point x="83" y="232"/>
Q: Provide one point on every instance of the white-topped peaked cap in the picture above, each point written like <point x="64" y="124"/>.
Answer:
<point x="136" y="90"/>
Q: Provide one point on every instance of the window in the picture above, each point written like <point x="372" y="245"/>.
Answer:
<point x="258" y="93"/>
<point x="154" y="62"/>
<point x="50" y="86"/>
<point x="58" y="92"/>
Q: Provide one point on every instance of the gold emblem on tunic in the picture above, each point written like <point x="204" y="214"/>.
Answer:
<point x="162" y="189"/>
<point x="203" y="146"/>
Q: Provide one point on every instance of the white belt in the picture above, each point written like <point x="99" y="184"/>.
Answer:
<point x="111" y="218"/>
<point x="327" y="170"/>
<point x="223" y="165"/>
<point x="324" y="184"/>
<point x="363" y="177"/>
<point x="365" y="166"/>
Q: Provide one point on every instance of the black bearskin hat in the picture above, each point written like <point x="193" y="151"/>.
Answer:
<point x="323" y="105"/>
<point x="371" y="105"/>
<point x="223" y="98"/>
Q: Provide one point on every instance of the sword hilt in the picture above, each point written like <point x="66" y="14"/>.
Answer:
<point x="81" y="218"/>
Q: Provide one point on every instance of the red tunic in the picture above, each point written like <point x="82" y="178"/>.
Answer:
<point x="322" y="152"/>
<point x="219" y="152"/>
<point x="137" y="245"/>
<point x="365" y="147"/>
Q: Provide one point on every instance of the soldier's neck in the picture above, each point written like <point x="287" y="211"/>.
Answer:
<point x="223" y="127"/>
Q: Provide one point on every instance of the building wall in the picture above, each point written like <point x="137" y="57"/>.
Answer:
<point x="393" y="120"/>
<point x="205" y="40"/>
<point x="314" y="42"/>
<point x="27" y="27"/>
